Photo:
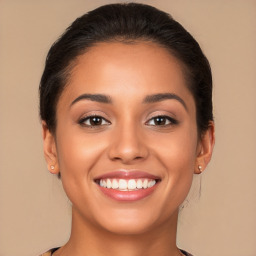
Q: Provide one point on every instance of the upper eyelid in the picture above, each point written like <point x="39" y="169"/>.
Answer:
<point x="165" y="116"/>
<point x="89" y="116"/>
<point x="107" y="117"/>
<point x="94" y="113"/>
<point x="82" y="122"/>
<point x="161" y="113"/>
<point x="173" y="119"/>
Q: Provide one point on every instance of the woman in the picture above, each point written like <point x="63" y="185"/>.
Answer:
<point x="126" y="109"/>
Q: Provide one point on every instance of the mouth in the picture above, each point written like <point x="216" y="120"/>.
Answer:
<point x="127" y="185"/>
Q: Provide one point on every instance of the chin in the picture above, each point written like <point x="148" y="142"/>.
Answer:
<point x="132" y="221"/>
<point x="128" y="227"/>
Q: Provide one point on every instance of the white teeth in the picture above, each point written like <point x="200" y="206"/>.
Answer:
<point x="139" y="183"/>
<point x="127" y="185"/>
<point x="145" y="184"/>
<point x="115" y="184"/>
<point x="122" y="184"/>
<point x="109" y="185"/>
<point x="132" y="184"/>
<point x="151" y="183"/>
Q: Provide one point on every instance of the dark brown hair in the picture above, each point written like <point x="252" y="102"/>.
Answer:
<point x="126" y="23"/>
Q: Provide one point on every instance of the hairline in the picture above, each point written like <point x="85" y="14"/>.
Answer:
<point x="68" y="70"/>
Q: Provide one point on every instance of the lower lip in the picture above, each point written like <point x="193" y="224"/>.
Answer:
<point x="128" y="195"/>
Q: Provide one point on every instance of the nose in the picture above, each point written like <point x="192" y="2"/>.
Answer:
<point x="128" y="146"/>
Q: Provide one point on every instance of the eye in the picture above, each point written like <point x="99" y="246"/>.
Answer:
<point x="92" y="121"/>
<point x="161" y="121"/>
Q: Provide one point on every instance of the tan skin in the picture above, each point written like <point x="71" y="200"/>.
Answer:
<point x="127" y="136"/>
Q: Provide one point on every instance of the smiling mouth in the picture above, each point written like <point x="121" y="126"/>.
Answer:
<point x="127" y="184"/>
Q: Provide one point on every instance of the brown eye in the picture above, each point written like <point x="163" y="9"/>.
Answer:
<point x="94" y="121"/>
<point x="161" y="121"/>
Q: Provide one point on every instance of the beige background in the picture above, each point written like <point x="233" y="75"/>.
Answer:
<point x="34" y="212"/>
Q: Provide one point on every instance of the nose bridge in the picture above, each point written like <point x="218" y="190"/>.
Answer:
<point x="127" y="144"/>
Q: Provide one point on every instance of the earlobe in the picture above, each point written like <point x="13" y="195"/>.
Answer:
<point x="205" y="149"/>
<point x="50" y="151"/>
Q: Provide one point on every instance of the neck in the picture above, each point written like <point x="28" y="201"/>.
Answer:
<point x="86" y="239"/>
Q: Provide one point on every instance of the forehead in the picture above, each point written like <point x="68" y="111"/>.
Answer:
<point x="133" y="69"/>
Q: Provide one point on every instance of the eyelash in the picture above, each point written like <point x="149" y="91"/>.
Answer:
<point x="170" y="120"/>
<point x="96" y="118"/>
<point x="103" y="122"/>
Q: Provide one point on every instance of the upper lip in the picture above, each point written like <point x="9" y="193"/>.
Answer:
<point x="127" y="174"/>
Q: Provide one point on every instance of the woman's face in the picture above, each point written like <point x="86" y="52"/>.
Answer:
<point x="126" y="120"/>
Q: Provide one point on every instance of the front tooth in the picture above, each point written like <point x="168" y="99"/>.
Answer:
<point x="145" y="184"/>
<point x="139" y="183"/>
<point x="131" y="184"/>
<point x="122" y="184"/>
<point x="109" y="185"/>
<point x="114" y="184"/>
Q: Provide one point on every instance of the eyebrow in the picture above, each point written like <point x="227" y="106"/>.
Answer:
<point x="164" y="96"/>
<point x="93" y="97"/>
<point x="154" y="98"/>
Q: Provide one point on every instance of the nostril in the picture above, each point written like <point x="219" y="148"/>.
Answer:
<point x="127" y="158"/>
<point x="138" y="157"/>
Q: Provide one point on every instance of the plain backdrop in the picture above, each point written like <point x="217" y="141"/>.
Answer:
<point x="34" y="211"/>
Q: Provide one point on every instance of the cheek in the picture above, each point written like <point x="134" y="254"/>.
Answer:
<point x="178" y="154"/>
<point x="77" y="156"/>
<point x="177" y="150"/>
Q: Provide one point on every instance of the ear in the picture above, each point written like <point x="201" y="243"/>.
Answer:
<point x="50" y="150"/>
<point x="205" y="148"/>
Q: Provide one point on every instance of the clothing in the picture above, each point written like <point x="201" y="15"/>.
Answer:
<point x="50" y="252"/>
<point x="186" y="253"/>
